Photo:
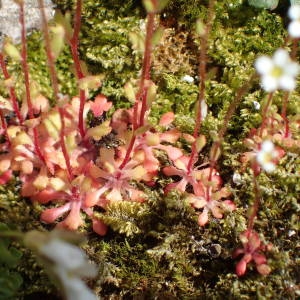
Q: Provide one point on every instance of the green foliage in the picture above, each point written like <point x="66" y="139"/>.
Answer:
<point x="124" y="217"/>
<point x="10" y="280"/>
<point x="105" y="40"/>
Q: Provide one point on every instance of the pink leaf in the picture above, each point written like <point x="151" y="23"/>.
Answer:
<point x="241" y="267"/>
<point x="99" y="227"/>
<point x="263" y="269"/>
<point x="203" y="218"/>
<point x="51" y="214"/>
<point x="48" y="195"/>
<point x="100" y="105"/>
<point x="259" y="258"/>
<point x="5" y="177"/>
<point x="73" y="220"/>
<point x="167" y="119"/>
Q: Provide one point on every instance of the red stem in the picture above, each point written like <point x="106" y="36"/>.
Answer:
<point x="4" y="125"/>
<point x="217" y="144"/>
<point x="54" y="81"/>
<point x="27" y="82"/>
<point x="202" y="76"/>
<point x="283" y="114"/>
<point x="12" y="92"/>
<point x="74" y="41"/>
<point x="264" y="114"/>
<point x="143" y="89"/>
<point x="255" y="206"/>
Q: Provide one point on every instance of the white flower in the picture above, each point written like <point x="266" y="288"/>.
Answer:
<point x="70" y="263"/>
<point x="237" y="178"/>
<point x="266" y="155"/>
<point x="278" y="72"/>
<point x="256" y="105"/>
<point x="187" y="78"/>
<point x="294" y="26"/>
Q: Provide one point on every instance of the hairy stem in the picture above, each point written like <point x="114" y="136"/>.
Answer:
<point x="74" y="42"/>
<point x="283" y="114"/>
<point x="264" y="114"/>
<point x="143" y="88"/>
<point x="54" y="81"/>
<point x="12" y="92"/>
<point x="202" y="77"/>
<point x="26" y="77"/>
<point x="4" y="126"/>
<point x="255" y="205"/>
<point x="217" y="144"/>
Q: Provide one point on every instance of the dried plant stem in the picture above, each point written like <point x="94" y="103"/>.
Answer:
<point x="54" y="81"/>
<point x="12" y="92"/>
<point x="202" y="77"/>
<point x="26" y="77"/>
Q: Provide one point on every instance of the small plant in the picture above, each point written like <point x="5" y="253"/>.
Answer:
<point x="63" y="160"/>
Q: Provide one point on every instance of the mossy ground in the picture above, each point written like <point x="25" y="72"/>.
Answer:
<point x="157" y="250"/>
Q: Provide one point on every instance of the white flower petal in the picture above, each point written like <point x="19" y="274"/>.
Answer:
<point x="292" y="68"/>
<point x="269" y="167"/>
<point x="267" y="146"/>
<point x="287" y="83"/>
<point x="281" y="58"/>
<point x="269" y="83"/>
<point x="294" y="12"/>
<point x="294" y="29"/>
<point x="263" y="65"/>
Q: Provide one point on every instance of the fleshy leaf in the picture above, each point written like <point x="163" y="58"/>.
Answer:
<point x="98" y="132"/>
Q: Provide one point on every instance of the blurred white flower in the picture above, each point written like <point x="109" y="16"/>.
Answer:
<point x="256" y="105"/>
<point x="70" y="263"/>
<point x="294" y="26"/>
<point x="187" y="78"/>
<point x="266" y="155"/>
<point x="237" y="178"/>
<point x="278" y="72"/>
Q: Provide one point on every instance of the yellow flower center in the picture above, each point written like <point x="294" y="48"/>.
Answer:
<point x="277" y="72"/>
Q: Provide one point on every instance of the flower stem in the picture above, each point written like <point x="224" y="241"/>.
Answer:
<point x="255" y="205"/>
<point x="54" y="81"/>
<point x="4" y="126"/>
<point x="27" y="82"/>
<point x="74" y="42"/>
<point x="12" y="92"/>
<point x="283" y="114"/>
<point x="264" y="114"/>
<point x="202" y="76"/>
<point x="143" y="88"/>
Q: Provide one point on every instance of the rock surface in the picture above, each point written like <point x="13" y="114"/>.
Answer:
<point x="9" y="17"/>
